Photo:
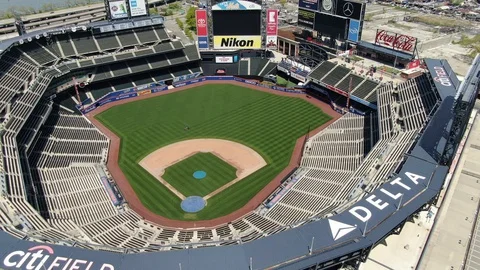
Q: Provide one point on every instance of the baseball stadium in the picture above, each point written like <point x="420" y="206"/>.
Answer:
<point x="125" y="146"/>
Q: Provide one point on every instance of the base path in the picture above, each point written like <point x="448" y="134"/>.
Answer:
<point x="132" y="198"/>
<point x="243" y="158"/>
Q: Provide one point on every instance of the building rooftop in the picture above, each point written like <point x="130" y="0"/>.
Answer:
<point x="287" y="32"/>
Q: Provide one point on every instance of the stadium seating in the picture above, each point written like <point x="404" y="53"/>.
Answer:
<point x="322" y="69"/>
<point x="338" y="76"/>
<point x="345" y="83"/>
<point x="330" y="158"/>
<point x="366" y="91"/>
<point x="54" y="160"/>
<point x="38" y="53"/>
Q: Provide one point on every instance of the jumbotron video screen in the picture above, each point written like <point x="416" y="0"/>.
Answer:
<point x="236" y="22"/>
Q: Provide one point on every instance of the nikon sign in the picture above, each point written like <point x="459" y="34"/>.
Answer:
<point x="237" y="42"/>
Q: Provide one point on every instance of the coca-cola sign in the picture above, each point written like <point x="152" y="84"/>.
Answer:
<point x="395" y="41"/>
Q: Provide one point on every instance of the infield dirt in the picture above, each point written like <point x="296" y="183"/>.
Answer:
<point x="243" y="158"/>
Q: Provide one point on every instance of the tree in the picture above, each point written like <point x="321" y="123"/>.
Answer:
<point x="179" y="23"/>
<point x="174" y="6"/>
<point x="190" y="19"/>
<point x="283" y="3"/>
<point x="188" y="33"/>
<point x="153" y="11"/>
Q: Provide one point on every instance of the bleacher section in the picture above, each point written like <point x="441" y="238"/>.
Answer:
<point x="321" y="70"/>
<point x="337" y="172"/>
<point x="338" y="76"/>
<point x="406" y="106"/>
<point x="330" y="158"/>
<point x="294" y="67"/>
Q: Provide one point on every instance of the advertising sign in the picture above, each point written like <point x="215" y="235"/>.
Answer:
<point x="354" y="31"/>
<point x="327" y="6"/>
<point x="308" y="4"/>
<point x="201" y="17"/>
<point x="237" y="42"/>
<point x="137" y="8"/>
<point x="396" y="41"/>
<point x="118" y="9"/>
<point x="414" y="64"/>
<point x="272" y="22"/>
<point x="329" y="25"/>
<point x="349" y="9"/>
<point x="306" y="18"/>
<point x="298" y="77"/>
<point x="271" y="42"/>
<point x="272" y="28"/>
<point x="203" y="42"/>
<point x="224" y="59"/>
<point x="237" y="5"/>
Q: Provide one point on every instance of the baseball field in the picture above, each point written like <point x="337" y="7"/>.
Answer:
<point x="267" y="123"/>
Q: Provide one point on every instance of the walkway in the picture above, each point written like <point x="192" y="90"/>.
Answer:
<point x="450" y="237"/>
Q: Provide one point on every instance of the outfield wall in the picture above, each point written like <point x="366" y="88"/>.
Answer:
<point x="152" y="88"/>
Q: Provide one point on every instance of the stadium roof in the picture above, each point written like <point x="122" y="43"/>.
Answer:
<point x="444" y="77"/>
<point x="120" y="24"/>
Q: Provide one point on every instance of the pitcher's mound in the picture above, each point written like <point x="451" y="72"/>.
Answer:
<point x="193" y="204"/>
<point x="199" y="175"/>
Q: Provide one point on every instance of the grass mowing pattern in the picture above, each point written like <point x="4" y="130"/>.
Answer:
<point x="180" y="175"/>
<point x="268" y="123"/>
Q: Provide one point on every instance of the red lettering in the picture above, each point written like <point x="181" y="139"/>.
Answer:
<point x="395" y="41"/>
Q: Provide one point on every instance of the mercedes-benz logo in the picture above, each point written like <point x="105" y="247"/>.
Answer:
<point x="348" y="9"/>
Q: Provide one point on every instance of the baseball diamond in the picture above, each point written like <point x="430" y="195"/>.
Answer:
<point x="267" y="123"/>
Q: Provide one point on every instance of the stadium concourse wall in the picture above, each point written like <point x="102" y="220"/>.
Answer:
<point x="86" y="105"/>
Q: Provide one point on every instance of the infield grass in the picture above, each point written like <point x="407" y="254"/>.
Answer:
<point x="268" y="123"/>
<point x="180" y="174"/>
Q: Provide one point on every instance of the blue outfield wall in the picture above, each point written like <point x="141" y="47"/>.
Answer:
<point x="154" y="88"/>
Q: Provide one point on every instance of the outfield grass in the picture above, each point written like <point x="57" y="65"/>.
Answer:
<point x="267" y="123"/>
<point x="180" y="175"/>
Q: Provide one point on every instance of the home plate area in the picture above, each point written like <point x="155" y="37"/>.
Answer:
<point x="196" y="170"/>
<point x="193" y="204"/>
